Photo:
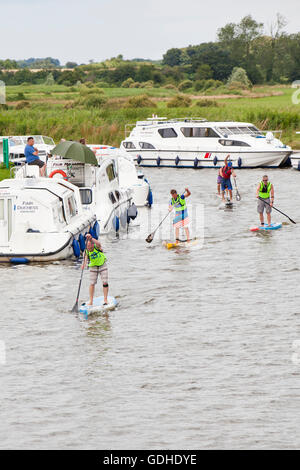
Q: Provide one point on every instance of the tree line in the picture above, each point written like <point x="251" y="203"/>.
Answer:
<point x="267" y="57"/>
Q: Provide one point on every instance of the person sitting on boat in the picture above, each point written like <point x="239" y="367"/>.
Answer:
<point x="225" y="172"/>
<point x="264" y="190"/>
<point x="181" y="215"/>
<point x="97" y="265"/>
<point x="32" y="156"/>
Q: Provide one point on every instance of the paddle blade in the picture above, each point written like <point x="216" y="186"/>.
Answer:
<point x="75" y="309"/>
<point x="150" y="238"/>
<point x="238" y="196"/>
<point x="293" y="222"/>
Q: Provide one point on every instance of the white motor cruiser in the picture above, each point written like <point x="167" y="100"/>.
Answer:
<point x="41" y="219"/>
<point x="99" y="189"/>
<point x="129" y="177"/>
<point x="17" y="144"/>
<point x="198" y="143"/>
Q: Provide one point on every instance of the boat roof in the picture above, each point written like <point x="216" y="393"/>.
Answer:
<point x="59" y="188"/>
<point x="164" y="121"/>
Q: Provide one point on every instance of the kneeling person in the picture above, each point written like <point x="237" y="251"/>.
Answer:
<point x="97" y="265"/>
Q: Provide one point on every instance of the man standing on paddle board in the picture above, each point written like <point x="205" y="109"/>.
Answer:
<point x="97" y="265"/>
<point x="181" y="215"/>
<point x="225" y="173"/>
<point x="263" y="191"/>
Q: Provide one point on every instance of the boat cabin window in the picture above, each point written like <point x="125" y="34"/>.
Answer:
<point x="198" y="132"/>
<point x="232" y="143"/>
<point x="112" y="197"/>
<point x="48" y="140"/>
<point x="117" y="195"/>
<point x="146" y="145"/>
<point x="110" y="171"/>
<point x="167" y="133"/>
<point x="72" y="206"/>
<point x="86" y="196"/>
<point x="129" y="145"/>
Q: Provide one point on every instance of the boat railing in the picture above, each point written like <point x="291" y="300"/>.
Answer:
<point x="160" y="120"/>
<point x="22" y="167"/>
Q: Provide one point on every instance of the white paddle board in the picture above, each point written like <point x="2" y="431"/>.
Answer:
<point x="98" y="306"/>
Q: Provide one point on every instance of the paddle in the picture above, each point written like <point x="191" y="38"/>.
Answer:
<point x="237" y="195"/>
<point x="75" y="309"/>
<point x="277" y="210"/>
<point x="151" y="236"/>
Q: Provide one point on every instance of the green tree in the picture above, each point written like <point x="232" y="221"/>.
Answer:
<point x="172" y="57"/>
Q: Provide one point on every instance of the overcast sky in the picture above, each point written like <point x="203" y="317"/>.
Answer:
<point x="99" y="29"/>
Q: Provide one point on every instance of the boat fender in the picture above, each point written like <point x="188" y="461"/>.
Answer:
<point x="116" y="223"/>
<point x="240" y="162"/>
<point x="56" y="172"/>
<point x="132" y="211"/>
<point x="76" y="248"/>
<point x="196" y="161"/>
<point x="215" y="160"/>
<point x="139" y="159"/>
<point x="177" y="160"/>
<point x="19" y="260"/>
<point x="81" y="242"/>
<point x="158" y="161"/>
<point x="96" y="229"/>
<point x="150" y="197"/>
<point x="93" y="233"/>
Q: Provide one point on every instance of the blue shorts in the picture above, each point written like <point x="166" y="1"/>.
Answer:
<point x="226" y="183"/>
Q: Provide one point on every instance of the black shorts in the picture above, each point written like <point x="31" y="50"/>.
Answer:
<point x="37" y="162"/>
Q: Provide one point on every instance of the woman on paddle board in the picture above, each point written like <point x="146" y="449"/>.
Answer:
<point x="264" y="190"/>
<point x="225" y="173"/>
<point x="181" y="215"/>
<point x="97" y="265"/>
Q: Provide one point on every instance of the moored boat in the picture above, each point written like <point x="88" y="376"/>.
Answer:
<point x="41" y="220"/>
<point x="198" y="143"/>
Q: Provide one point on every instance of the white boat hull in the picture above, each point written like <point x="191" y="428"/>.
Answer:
<point x="196" y="159"/>
<point x="42" y="247"/>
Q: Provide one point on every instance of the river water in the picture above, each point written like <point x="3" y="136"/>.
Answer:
<point x="203" y="351"/>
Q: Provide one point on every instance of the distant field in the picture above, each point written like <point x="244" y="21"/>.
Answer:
<point x="52" y="110"/>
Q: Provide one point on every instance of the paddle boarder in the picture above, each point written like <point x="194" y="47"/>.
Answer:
<point x="265" y="194"/>
<point x="181" y="218"/>
<point x="97" y="265"/>
<point x="225" y="173"/>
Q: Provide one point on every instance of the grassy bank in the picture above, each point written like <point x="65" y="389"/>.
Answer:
<point x="63" y="112"/>
<point x="4" y="173"/>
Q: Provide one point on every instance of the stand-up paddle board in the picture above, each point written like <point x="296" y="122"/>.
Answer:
<point x="266" y="227"/>
<point x="98" y="306"/>
<point x="180" y="244"/>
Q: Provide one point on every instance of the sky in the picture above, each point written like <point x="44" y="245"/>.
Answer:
<point x="73" y="30"/>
